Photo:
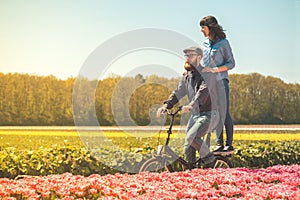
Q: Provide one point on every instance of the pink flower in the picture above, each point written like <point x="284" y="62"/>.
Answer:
<point x="277" y="182"/>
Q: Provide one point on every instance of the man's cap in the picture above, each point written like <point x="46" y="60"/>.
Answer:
<point x="198" y="50"/>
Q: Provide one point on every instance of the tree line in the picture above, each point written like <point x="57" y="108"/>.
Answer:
<point x="46" y="100"/>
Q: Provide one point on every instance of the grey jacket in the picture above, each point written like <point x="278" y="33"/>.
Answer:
<point x="201" y="91"/>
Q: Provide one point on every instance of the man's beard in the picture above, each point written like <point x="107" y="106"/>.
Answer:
<point x="189" y="67"/>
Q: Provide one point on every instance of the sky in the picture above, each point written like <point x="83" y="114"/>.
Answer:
<point x="58" y="37"/>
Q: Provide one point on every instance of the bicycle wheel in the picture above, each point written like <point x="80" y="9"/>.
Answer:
<point x="223" y="162"/>
<point x="156" y="164"/>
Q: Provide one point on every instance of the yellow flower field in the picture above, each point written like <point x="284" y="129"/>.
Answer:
<point x="267" y="136"/>
<point x="120" y="134"/>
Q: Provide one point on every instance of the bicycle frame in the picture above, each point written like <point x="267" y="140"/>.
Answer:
<point x="164" y="150"/>
<point x="164" y="153"/>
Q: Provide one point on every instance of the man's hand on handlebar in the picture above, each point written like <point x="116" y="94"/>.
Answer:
<point x="160" y="111"/>
<point x="186" y="108"/>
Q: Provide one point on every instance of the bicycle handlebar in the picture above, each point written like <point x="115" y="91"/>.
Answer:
<point x="170" y="113"/>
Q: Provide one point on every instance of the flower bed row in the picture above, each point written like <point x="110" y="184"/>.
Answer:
<point x="80" y="161"/>
<point x="281" y="182"/>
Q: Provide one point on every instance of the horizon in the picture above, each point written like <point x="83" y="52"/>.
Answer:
<point x="133" y="75"/>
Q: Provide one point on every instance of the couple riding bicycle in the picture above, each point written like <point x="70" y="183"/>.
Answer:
<point x="201" y="89"/>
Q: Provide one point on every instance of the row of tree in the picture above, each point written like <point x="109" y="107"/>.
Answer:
<point x="45" y="100"/>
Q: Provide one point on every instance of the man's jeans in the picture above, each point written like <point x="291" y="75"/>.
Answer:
<point x="225" y="118"/>
<point x="197" y="127"/>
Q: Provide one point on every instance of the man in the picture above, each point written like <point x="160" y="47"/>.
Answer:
<point x="200" y="87"/>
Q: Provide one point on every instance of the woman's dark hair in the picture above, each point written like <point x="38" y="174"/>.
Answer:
<point x="215" y="30"/>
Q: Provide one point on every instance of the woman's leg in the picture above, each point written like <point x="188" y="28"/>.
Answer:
<point x="228" y="120"/>
<point x="222" y="112"/>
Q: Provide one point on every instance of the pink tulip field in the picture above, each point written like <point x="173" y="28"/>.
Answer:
<point x="276" y="182"/>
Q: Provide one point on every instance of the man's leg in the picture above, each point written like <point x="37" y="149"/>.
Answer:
<point x="194" y="138"/>
<point x="189" y="151"/>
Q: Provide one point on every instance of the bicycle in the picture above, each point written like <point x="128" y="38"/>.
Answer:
<point x="162" y="161"/>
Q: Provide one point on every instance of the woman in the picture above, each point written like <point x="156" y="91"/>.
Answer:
<point x="218" y="58"/>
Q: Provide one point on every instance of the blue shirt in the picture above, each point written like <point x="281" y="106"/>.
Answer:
<point x="216" y="55"/>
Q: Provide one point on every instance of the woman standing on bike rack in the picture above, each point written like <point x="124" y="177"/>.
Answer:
<point x="200" y="87"/>
<point x="218" y="58"/>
